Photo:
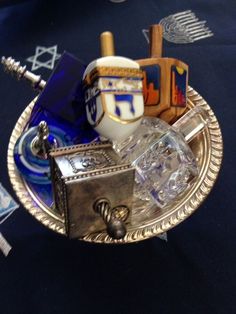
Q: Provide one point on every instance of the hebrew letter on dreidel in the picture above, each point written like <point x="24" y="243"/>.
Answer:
<point x="126" y="98"/>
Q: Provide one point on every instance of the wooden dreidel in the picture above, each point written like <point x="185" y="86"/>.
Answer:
<point x="113" y="92"/>
<point x="165" y="81"/>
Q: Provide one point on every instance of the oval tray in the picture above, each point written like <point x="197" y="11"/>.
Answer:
<point x="147" y="221"/>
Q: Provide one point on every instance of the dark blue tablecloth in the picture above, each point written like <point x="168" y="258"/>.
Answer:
<point x="194" y="272"/>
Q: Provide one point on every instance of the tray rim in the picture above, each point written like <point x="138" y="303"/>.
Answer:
<point x="198" y="192"/>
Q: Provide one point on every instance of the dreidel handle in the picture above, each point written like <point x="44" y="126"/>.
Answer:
<point x="41" y="145"/>
<point x="156" y="39"/>
<point x="107" y="44"/>
<point x="115" y="227"/>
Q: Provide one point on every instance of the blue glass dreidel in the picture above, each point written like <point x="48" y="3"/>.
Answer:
<point x="113" y="93"/>
<point x="32" y="148"/>
<point x="60" y="102"/>
<point x="164" y="162"/>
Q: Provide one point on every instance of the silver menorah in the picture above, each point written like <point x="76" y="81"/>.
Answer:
<point x="184" y="27"/>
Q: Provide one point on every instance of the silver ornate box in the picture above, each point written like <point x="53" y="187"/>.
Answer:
<point x="91" y="187"/>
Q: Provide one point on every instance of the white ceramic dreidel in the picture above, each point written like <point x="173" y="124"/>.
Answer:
<point x="113" y="93"/>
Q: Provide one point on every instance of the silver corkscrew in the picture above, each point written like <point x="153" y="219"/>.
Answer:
<point x="15" y="68"/>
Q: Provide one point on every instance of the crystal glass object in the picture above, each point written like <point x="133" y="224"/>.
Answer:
<point x="165" y="164"/>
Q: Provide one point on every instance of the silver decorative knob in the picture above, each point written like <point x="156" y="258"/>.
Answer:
<point x="43" y="141"/>
<point x="113" y="217"/>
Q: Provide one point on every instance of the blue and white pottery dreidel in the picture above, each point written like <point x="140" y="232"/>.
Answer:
<point x="113" y="93"/>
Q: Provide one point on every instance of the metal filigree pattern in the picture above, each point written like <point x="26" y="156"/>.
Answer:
<point x="208" y="148"/>
<point x="112" y="71"/>
<point x="90" y="160"/>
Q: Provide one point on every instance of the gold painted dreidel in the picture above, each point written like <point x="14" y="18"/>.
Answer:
<point x="113" y="92"/>
<point x="92" y="189"/>
<point x="165" y="81"/>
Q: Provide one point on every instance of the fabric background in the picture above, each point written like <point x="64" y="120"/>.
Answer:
<point x="194" y="272"/>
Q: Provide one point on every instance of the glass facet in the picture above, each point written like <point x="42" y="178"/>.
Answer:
<point x="165" y="164"/>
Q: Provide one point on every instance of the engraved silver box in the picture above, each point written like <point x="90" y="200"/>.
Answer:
<point x="82" y="175"/>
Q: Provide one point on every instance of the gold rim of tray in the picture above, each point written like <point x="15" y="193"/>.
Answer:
<point x="211" y="163"/>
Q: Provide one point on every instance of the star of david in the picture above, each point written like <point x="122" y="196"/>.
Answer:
<point x="39" y="51"/>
